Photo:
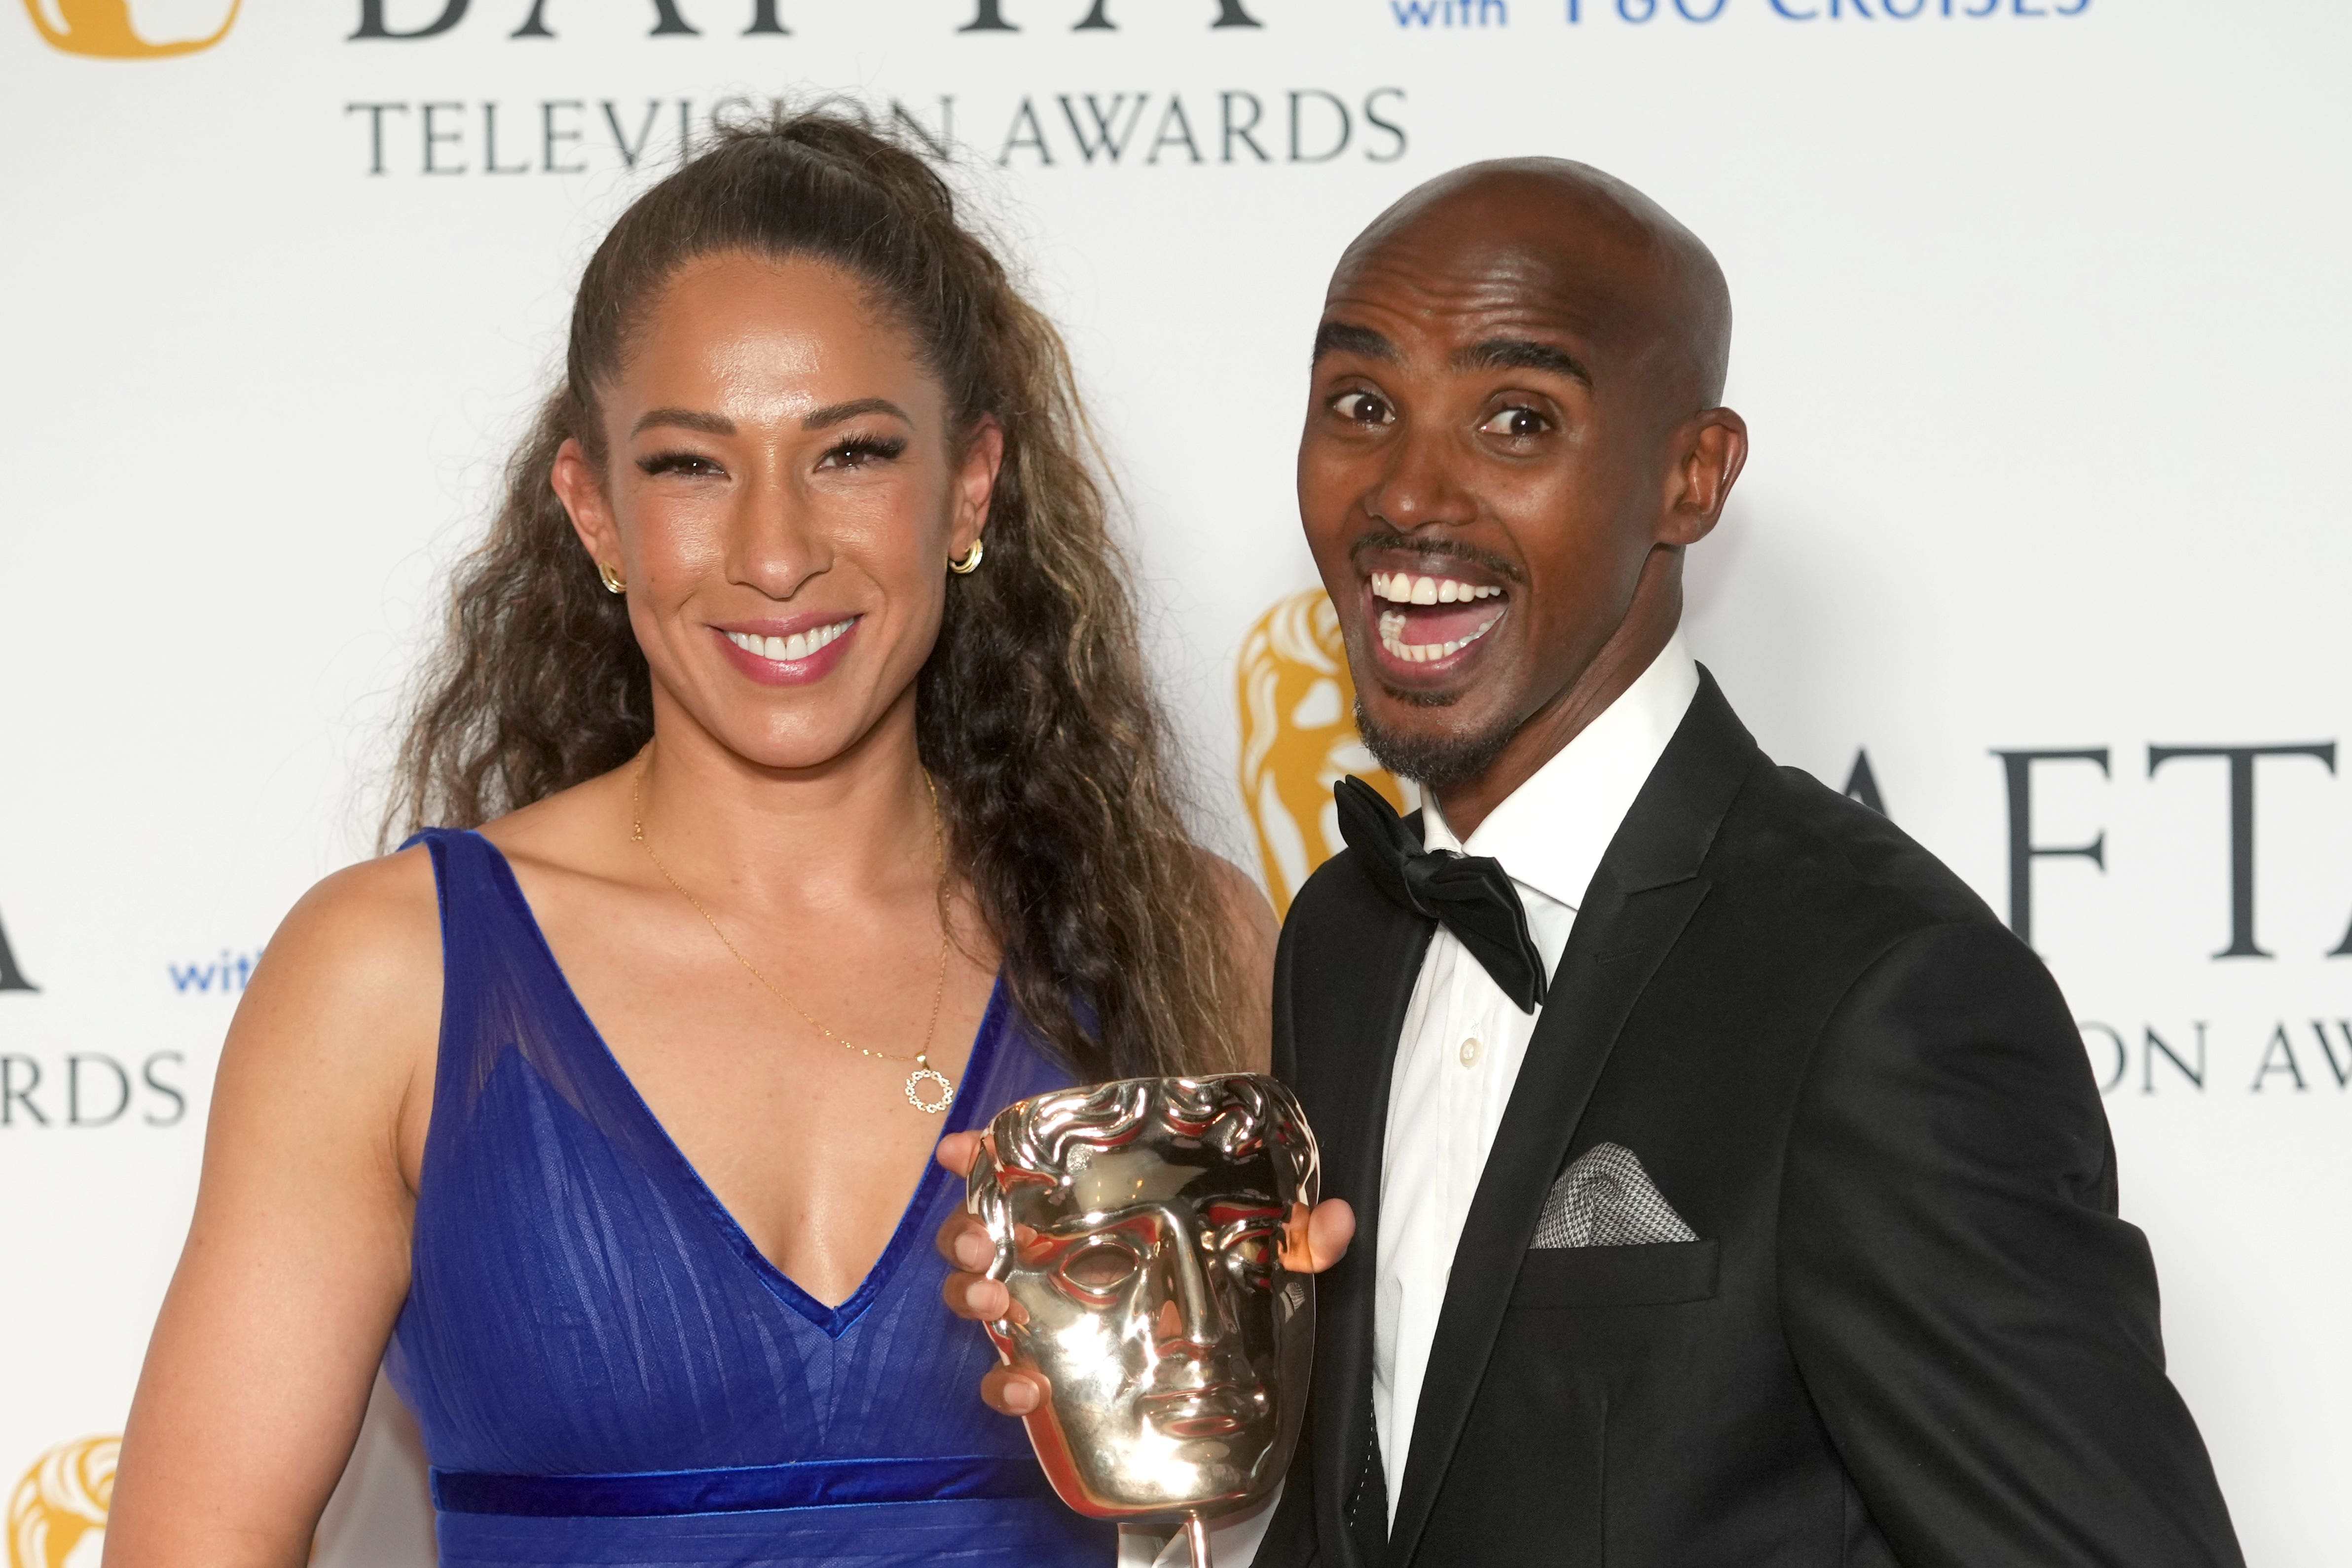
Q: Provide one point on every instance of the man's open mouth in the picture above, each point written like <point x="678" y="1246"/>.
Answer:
<point x="1426" y="617"/>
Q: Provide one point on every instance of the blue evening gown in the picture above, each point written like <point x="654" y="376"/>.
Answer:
<point x="606" y="1369"/>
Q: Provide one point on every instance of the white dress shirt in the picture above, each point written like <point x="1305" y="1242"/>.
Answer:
<point x="1459" y="1052"/>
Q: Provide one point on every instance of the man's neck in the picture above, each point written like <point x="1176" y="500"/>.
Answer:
<point x="1639" y="639"/>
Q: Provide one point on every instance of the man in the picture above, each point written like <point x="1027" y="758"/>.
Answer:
<point x="1732" y="1185"/>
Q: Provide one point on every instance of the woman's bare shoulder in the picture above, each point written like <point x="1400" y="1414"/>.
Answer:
<point x="1247" y="913"/>
<point x="371" y="922"/>
<point x="1250" y="934"/>
<point x="354" y="971"/>
<point x="342" y="1020"/>
<point x="581" y="828"/>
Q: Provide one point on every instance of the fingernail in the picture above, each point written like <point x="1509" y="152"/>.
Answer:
<point x="973" y="1251"/>
<point x="1020" y="1398"/>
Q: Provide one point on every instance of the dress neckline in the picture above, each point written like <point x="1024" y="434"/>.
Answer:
<point x="835" y="1321"/>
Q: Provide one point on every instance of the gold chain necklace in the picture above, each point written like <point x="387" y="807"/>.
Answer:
<point x="942" y="1092"/>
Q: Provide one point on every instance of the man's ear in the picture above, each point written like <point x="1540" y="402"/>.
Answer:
<point x="975" y="484"/>
<point x="1711" y="448"/>
<point x="579" y="484"/>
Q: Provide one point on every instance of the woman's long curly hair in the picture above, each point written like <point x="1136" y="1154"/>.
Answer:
<point x="1032" y="712"/>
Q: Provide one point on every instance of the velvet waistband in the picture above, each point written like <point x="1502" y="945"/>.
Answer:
<point x="816" y="1484"/>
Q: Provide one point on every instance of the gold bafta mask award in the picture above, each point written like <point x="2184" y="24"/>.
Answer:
<point x="1139" y="1228"/>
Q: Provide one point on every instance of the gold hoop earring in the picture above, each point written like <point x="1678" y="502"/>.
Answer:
<point x="970" y="562"/>
<point x="613" y="582"/>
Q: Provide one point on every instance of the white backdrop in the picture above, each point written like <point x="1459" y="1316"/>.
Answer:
<point x="2042" y="320"/>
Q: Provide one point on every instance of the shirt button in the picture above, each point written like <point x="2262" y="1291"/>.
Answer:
<point x="1470" y="1051"/>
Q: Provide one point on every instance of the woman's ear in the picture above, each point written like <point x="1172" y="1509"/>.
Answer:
<point x="975" y="484"/>
<point x="579" y="485"/>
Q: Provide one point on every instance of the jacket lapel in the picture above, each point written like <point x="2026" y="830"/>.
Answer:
<point x="1349" y="1018"/>
<point x="1645" y="892"/>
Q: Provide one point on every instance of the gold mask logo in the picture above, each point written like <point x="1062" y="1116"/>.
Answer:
<point x="56" y="1516"/>
<point x="104" y="29"/>
<point x="1299" y="738"/>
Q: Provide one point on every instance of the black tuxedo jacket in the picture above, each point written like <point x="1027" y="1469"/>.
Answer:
<point x="1912" y="1331"/>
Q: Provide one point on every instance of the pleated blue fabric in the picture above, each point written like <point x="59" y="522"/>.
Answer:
<point x="607" y="1372"/>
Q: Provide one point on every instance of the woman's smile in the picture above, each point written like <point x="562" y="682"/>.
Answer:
<point x="787" y="654"/>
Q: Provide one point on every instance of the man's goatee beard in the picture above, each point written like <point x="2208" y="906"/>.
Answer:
<point x="1437" y="762"/>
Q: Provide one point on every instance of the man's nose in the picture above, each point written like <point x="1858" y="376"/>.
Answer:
<point x="1423" y="485"/>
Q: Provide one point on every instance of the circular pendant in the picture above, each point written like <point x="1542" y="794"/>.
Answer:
<point x="946" y="1091"/>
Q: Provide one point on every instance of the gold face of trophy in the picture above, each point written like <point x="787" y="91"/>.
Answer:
<point x="1139" y="1228"/>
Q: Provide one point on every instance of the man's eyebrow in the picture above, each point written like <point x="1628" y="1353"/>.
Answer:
<point x="837" y="413"/>
<point x="1521" y="354"/>
<point x="684" y="419"/>
<point x="1345" y="337"/>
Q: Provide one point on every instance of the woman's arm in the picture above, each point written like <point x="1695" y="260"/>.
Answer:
<point x="297" y="1260"/>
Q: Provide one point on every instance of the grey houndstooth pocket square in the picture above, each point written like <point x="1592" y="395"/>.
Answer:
<point x="1605" y="1198"/>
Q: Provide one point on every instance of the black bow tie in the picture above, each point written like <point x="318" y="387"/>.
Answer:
<point x="1470" y="896"/>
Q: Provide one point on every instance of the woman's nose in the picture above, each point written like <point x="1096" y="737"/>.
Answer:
<point x="776" y="541"/>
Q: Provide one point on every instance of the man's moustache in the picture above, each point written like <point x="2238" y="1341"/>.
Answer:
<point x="1383" y="538"/>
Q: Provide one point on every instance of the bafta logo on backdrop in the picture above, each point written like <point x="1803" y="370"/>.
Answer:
<point x="108" y="29"/>
<point x="1298" y="738"/>
<point x="56" y="1515"/>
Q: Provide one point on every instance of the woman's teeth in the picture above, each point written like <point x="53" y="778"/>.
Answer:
<point x="783" y="650"/>
<point x="1403" y="588"/>
<point x="1393" y="638"/>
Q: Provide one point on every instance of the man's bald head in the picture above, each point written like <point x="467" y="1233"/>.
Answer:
<point x="1583" y="242"/>
<point x="1515" y="430"/>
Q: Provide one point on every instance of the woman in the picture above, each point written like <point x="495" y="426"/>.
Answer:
<point x="821" y="810"/>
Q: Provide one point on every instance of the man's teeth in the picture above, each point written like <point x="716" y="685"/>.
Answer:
<point x="1393" y="639"/>
<point x="783" y="650"/>
<point x="1403" y="588"/>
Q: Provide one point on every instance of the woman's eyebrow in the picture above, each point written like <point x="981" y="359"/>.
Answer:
<point x="835" y="414"/>
<point x="684" y="419"/>
<point x="719" y="424"/>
